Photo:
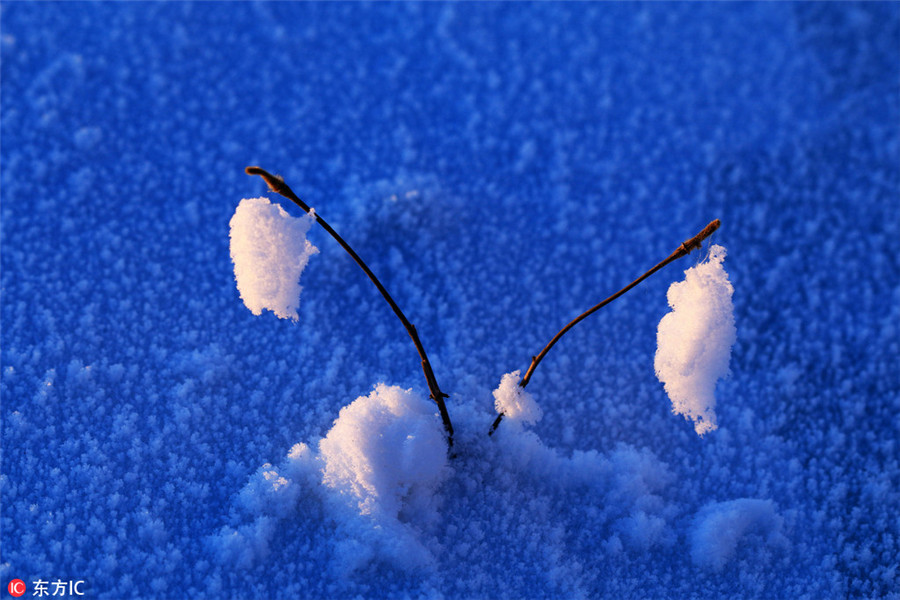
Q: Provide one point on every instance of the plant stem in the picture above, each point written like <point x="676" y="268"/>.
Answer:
<point x="277" y="185"/>
<point x="683" y="250"/>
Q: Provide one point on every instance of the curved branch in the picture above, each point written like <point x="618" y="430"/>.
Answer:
<point x="277" y="185"/>
<point x="683" y="250"/>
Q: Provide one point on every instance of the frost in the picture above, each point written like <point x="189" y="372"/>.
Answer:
<point x="269" y="250"/>
<point x="694" y="340"/>
<point x="514" y="402"/>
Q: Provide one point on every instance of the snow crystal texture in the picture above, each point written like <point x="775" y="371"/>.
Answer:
<point x="694" y="340"/>
<point x="501" y="168"/>
<point x="269" y="250"/>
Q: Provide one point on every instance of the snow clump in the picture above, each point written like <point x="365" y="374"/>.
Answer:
<point x="384" y="460"/>
<point x="386" y="452"/>
<point x="513" y="401"/>
<point x="269" y="250"/>
<point x="694" y="340"/>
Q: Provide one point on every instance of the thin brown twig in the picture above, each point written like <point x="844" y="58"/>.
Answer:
<point x="683" y="250"/>
<point x="277" y="185"/>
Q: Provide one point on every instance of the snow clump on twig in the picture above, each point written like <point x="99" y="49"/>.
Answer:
<point x="269" y="250"/>
<point x="511" y="400"/>
<point x="694" y="340"/>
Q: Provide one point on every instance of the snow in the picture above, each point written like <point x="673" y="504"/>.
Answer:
<point x="720" y="527"/>
<point x="269" y="250"/>
<point x="376" y="474"/>
<point x="386" y="452"/>
<point x="500" y="168"/>
<point x="694" y="340"/>
<point x="514" y="402"/>
<point x="382" y="491"/>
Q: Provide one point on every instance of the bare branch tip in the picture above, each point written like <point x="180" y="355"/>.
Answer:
<point x="709" y="229"/>
<point x="695" y="242"/>
<point x="275" y="182"/>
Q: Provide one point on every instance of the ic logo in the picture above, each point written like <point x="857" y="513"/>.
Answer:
<point x="16" y="587"/>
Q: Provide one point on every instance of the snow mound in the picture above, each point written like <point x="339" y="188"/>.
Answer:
<point x="694" y="340"/>
<point x="376" y="475"/>
<point x="246" y="545"/>
<point x="514" y="402"/>
<point x="384" y="459"/>
<point x="720" y="526"/>
<point x="269" y="250"/>
<point x="386" y="452"/>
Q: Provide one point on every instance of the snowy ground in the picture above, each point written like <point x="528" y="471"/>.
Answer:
<point x="501" y="168"/>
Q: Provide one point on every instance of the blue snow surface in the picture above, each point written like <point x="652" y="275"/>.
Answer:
<point x="502" y="167"/>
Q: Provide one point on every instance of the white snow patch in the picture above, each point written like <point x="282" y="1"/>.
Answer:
<point x="269" y="250"/>
<point x="246" y="545"/>
<point x="694" y="340"/>
<point x="720" y="526"/>
<point x="514" y="402"/>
